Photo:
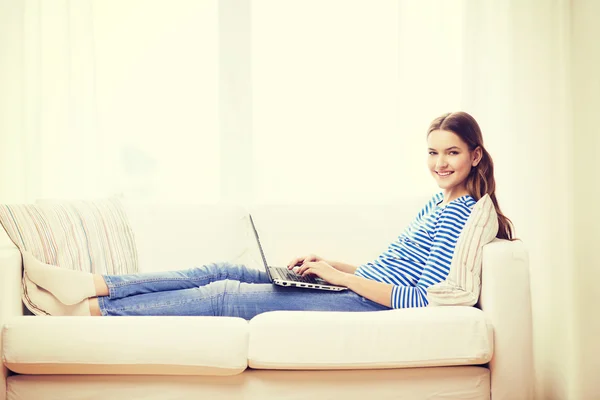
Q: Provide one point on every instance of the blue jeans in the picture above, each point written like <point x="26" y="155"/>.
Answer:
<point x="219" y="290"/>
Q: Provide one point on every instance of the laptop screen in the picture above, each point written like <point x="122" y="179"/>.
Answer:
<point x="262" y="254"/>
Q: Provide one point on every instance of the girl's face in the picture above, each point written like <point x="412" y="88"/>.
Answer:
<point x="450" y="160"/>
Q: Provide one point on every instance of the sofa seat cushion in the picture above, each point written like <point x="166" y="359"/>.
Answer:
<point x="416" y="337"/>
<point x="126" y="345"/>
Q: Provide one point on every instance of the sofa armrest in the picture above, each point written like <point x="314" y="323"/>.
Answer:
<point x="506" y="300"/>
<point x="10" y="297"/>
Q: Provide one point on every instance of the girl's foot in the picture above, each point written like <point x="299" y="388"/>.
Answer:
<point x="45" y="301"/>
<point x="69" y="287"/>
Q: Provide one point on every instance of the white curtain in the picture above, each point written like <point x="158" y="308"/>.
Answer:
<point x="50" y="141"/>
<point x="110" y="97"/>
<point x="295" y="101"/>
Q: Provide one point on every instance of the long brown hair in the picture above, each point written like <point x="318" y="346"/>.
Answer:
<point x="481" y="178"/>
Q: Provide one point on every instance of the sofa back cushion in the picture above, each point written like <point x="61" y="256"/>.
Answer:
<point x="172" y="237"/>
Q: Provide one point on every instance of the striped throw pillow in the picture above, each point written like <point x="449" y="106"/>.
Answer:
<point x="463" y="283"/>
<point x="90" y="236"/>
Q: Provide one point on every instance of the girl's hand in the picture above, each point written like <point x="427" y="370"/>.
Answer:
<point x="323" y="271"/>
<point x="301" y="260"/>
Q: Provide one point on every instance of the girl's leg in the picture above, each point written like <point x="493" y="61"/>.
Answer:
<point x="235" y="299"/>
<point x="72" y="287"/>
<point x="94" y="307"/>
<point x="120" y="286"/>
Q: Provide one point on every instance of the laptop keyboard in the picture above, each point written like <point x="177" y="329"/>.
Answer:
<point x="286" y="274"/>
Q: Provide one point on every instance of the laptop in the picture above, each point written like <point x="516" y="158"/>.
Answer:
<point x="285" y="277"/>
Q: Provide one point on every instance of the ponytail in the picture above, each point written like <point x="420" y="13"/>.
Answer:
<point x="481" y="182"/>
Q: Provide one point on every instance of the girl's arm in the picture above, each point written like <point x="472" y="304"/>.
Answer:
<point x="378" y="292"/>
<point x="340" y="266"/>
<point x="383" y="293"/>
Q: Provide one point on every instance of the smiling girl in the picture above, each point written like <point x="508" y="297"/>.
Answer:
<point x="419" y="258"/>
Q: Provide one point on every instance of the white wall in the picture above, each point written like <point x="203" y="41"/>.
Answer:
<point x="585" y="64"/>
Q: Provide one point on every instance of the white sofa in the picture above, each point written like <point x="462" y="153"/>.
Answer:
<point x="478" y="352"/>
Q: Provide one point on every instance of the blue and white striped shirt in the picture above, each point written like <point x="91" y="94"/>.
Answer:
<point x="422" y="254"/>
